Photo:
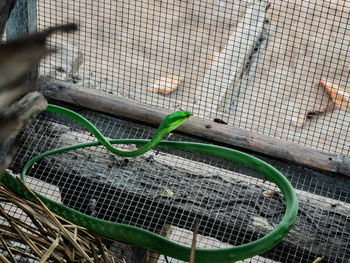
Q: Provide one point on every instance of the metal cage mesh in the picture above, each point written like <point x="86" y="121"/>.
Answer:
<point x="253" y="64"/>
<point x="168" y="190"/>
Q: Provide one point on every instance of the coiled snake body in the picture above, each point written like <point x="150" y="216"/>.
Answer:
<point x="149" y="240"/>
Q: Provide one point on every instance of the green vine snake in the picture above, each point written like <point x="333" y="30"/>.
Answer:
<point x="150" y="240"/>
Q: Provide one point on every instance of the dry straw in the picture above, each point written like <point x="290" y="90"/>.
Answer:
<point x="31" y="232"/>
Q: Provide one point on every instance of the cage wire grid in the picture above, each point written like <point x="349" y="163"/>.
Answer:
<point x="170" y="189"/>
<point x="253" y="64"/>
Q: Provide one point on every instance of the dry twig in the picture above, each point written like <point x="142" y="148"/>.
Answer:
<point x="194" y="241"/>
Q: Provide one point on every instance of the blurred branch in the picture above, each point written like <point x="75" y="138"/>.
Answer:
<point x="19" y="104"/>
<point x="18" y="57"/>
<point x="17" y="116"/>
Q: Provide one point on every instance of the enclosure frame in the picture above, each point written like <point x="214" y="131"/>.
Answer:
<point x="23" y="21"/>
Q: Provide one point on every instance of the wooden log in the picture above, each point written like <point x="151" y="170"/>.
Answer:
<point x="229" y="135"/>
<point x="232" y="210"/>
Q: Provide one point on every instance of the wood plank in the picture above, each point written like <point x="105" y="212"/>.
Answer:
<point x="23" y="19"/>
<point x="225" y="74"/>
<point x="229" y="135"/>
<point x="236" y="213"/>
<point x="5" y="11"/>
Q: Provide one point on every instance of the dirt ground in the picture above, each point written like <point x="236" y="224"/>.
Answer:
<point x="128" y="45"/>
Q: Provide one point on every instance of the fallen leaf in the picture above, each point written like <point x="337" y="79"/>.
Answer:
<point x="317" y="260"/>
<point x="166" y="84"/>
<point x="339" y="97"/>
<point x="270" y="193"/>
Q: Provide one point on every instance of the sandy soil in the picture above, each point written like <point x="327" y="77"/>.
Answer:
<point x="308" y="41"/>
<point x="128" y="45"/>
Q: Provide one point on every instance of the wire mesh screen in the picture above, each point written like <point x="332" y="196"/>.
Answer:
<point x="166" y="191"/>
<point x="253" y="64"/>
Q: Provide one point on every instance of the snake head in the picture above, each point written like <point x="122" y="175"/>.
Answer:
<point x="174" y="120"/>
